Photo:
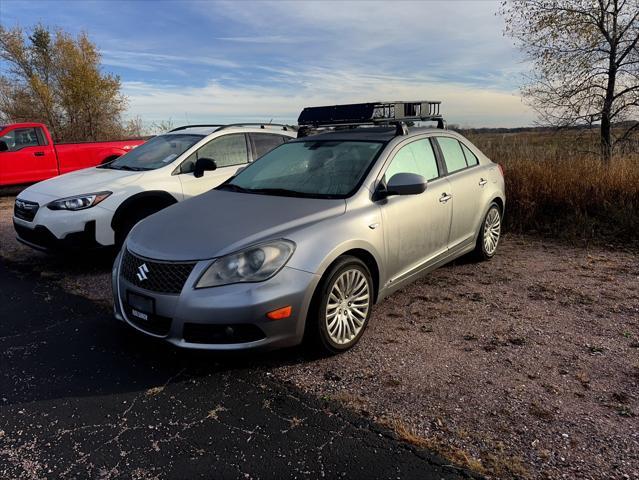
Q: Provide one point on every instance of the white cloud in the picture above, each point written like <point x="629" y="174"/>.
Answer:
<point x="283" y="100"/>
<point x="146" y="61"/>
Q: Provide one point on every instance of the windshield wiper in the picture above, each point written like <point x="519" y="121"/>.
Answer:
<point x="127" y="168"/>
<point x="279" y="191"/>
<point x="232" y="188"/>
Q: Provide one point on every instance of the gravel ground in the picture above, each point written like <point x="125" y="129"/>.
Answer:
<point x="525" y="366"/>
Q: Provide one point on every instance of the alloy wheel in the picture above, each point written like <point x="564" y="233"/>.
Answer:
<point x="347" y="306"/>
<point x="492" y="230"/>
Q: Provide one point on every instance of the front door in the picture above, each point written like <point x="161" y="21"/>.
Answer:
<point x="416" y="227"/>
<point x="230" y="153"/>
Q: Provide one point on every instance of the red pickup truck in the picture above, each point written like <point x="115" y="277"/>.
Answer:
<point x="28" y="155"/>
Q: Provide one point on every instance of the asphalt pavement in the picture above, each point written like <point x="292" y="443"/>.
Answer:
<point x="83" y="397"/>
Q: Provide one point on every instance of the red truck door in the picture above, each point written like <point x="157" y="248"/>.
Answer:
<point x="29" y="157"/>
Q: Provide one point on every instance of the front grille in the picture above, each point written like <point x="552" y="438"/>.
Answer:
<point x="25" y="210"/>
<point x="154" y="276"/>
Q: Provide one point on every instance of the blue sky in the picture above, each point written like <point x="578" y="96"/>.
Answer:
<point x="197" y="61"/>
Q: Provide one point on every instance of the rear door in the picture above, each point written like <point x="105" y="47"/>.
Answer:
<point x="29" y="158"/>
<point x="467" y="179"/>
<point x="416" y="227"/>
<point x="230" y="153"/>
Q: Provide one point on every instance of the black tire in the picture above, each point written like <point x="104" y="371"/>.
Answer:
<point x="316" y="325"/>
<point x="130" y="221"/>
<point x="481" y="252"/>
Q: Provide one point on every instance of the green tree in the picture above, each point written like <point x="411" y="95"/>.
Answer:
<point x="56" y="79"/>
<point x="585" y="62"/>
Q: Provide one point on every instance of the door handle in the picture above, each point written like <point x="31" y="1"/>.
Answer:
<point x="445" y="197"/>
<point x="482" y="182"/>
<point x="38" y="154"/>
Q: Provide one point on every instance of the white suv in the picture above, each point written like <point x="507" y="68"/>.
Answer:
<point x="98" y="206"/>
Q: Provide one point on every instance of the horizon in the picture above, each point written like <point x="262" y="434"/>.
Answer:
<point x="197" y="61"/>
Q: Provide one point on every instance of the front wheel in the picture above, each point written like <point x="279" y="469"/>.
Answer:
<point x="130" y="221"/>
<point x="489" y="234"/>
<point x="344" y="303"/>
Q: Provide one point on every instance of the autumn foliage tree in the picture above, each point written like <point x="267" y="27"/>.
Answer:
<point x="585" y="63"/>
<point x="54" y="78"/>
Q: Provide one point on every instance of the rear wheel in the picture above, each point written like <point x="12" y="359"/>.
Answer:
<point x="343" y="306"/>
<point x="489" y="234"/>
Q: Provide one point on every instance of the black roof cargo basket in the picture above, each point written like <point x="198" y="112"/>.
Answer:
<point x="375" y="113"/>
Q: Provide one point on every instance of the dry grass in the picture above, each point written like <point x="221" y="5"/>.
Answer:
<point x="492" y="463"/>
<point x="557" y="186"/>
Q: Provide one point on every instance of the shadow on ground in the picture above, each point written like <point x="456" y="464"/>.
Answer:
<point x="82" y="398"/>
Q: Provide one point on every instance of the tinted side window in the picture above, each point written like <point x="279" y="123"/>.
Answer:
<point x="20" y="138"/>
<point x="226" y="151"/>
<point x="453" y="154"/>
<point x="416" y="157"/>
<point x="265" y="142"/>
<point x="471" y="158"/>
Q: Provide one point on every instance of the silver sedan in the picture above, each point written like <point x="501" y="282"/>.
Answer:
<point x="302" y="243"/>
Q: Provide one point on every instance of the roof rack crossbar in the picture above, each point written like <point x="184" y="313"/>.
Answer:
<point x="262" y="125"/>
<point x="374" y="113"/>
<point x="219" y="126"/>
<point x="184" y="127"/>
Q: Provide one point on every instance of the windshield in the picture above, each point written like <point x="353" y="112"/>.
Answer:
<point x="320" y="169"/>
<point x="156" y="153"/>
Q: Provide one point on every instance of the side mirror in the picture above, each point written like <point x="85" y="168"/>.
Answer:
<point x="203" y="165"/>
<point x="406" y="184"/>
<point x="3" y="146"/>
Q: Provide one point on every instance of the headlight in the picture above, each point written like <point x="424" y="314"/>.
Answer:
<point x="79" y="202"/>
<point x="255" y="264"/>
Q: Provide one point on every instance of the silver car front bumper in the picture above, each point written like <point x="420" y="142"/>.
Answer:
<point x="230" y="317"/>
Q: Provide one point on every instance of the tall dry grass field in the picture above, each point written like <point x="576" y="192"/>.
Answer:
<point x="556" y="185"/>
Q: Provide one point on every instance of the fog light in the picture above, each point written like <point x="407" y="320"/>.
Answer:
<point x="280" y="313"/>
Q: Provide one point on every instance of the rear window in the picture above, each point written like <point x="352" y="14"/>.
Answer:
<point x="453" y="154"/>
<point x="265" y="142"/>
<point x="471" y="159"/>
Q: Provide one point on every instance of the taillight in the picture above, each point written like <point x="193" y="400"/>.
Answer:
<point x="501" y="169"/>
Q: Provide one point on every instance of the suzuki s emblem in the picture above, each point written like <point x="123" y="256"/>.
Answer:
<point x="21" y="204"/>
<point x="142" y="271"/>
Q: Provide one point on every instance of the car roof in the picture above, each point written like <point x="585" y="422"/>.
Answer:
<point x="205" y="130"/>
<point x="371" y="134"/>
<point x="193" y="131"/>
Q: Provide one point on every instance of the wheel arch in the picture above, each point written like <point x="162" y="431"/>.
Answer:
<point x="362" y="253"/>
<point x="498" y="199"/>
<point x="158" y="198"/>
<point x="500" y="203"/>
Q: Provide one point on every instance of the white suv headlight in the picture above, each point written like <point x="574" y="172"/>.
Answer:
<point x="78" y="202"/>
<point x="254" y="264"/>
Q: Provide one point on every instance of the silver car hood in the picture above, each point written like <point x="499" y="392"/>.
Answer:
<point x="220" y="222"/>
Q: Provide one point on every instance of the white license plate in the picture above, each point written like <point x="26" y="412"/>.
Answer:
<point x="140" y="315"/>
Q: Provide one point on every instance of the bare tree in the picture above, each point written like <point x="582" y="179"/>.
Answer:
<point x="585" y="62"/>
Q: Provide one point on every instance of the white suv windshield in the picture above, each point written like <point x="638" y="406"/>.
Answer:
<point x="156" y="153"/>
<point x="320" y="169"/>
